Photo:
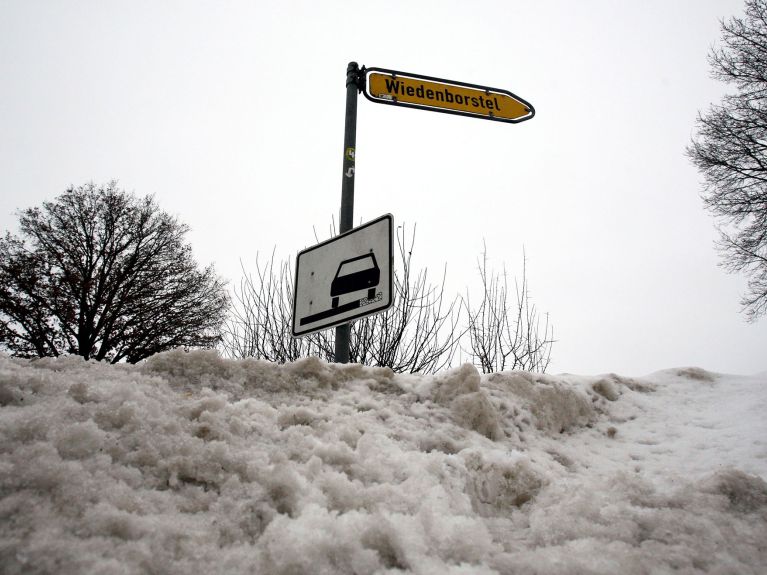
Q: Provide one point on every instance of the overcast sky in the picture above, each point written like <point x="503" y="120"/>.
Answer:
<point x="231" y="114"/>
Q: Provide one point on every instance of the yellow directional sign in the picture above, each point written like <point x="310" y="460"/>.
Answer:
<point x="426" y="93"/>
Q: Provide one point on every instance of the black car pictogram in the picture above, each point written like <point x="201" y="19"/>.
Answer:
<point x="355" y="274"/>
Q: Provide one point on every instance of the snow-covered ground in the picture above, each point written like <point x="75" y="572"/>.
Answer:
<point x="191" y="464"/>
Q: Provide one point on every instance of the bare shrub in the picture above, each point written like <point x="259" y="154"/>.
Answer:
<point x="259" y="322"/>
<point x="419" y="333"/>
<point x="504" y="330"/>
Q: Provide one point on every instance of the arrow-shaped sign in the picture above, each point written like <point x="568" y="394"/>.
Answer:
<point x="427" y="93"/>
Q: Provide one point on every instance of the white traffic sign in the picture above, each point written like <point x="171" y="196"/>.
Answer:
<point x="344" y="278"/>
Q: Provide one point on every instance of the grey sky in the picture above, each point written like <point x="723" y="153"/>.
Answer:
<point x="231" y="114"/>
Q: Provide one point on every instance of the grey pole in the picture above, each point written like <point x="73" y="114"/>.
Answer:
<point x="346" y="219"/>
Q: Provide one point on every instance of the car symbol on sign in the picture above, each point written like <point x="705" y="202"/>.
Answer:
<point x="355" y="274"/>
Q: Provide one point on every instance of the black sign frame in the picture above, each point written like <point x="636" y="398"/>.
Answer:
<point x="395" y="102"/>
<point x="327" y="317"/>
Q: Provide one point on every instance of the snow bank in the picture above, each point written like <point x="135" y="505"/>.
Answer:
<point x="190" y="463"/>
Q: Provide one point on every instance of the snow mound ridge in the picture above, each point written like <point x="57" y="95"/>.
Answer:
<point x="190" y="464"/>
<point x="460" y="391"/>
<point x="689" y="373"/>
<point x="309" y="376"/>
<point x="537" y="402"/>
<point x="744" y="492"/>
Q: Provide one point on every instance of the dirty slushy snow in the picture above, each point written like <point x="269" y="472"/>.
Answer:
<point x="189" y="463"/>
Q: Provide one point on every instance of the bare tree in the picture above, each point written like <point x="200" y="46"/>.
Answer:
<point x="261" y="315"/>
<point x="506" y="334"/>
<point x="420" y="333"/>
<point x="730" y="152"/>
<point x="105" y="275"/>
<point x="417" y="334"/>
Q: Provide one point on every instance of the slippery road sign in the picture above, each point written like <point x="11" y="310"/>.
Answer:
<point x="344" y="278"/>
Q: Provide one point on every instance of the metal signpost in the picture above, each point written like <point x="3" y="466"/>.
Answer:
<point x="346" y="216"/>
<point x="353" y="263"/>
<point x="344" y="278"/>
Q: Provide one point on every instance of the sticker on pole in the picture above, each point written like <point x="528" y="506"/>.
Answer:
<point x="344" y="278"/>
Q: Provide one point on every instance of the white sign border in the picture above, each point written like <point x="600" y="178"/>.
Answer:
<point x="362" y="313"/>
